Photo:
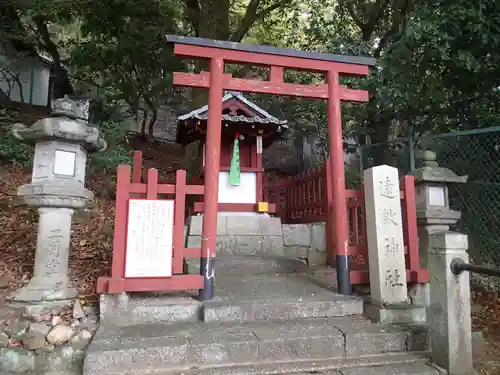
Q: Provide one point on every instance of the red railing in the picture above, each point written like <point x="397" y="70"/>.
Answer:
<point x="307" y="198"/>
<point x="140" y="175"/>
<point x="129" y="186"/>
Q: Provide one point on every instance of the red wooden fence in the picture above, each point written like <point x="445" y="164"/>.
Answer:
<point x="130" y="185"/>
<point x="304" y="198"/>
<point x="307" y="198"/>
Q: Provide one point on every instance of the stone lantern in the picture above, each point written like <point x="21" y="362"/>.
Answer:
<point x="56" y="189"/>
<point x="434" y="214"/>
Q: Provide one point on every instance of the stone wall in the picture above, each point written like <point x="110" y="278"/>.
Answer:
<point x="241" y="235"/>
<point x="264" y="236"/>
<point x="306" y="242"/>
<point x="48" y="339"/>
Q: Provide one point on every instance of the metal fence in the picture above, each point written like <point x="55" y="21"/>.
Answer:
<point x="475" y="153"/>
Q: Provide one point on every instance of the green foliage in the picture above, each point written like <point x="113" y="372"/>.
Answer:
<point x="115" y="134"/>
<point x="14" y="151"/>
<point x="438" y="62"/>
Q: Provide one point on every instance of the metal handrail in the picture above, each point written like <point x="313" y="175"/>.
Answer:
<point x="458" y="266"/>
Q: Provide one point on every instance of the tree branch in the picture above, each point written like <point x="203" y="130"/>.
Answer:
<point x="51" y="48"/>
<point x="252" y="15"/>
<point x="194" y="14"/>
<point x="350" y="9"/>
<point x="376" y="13"/>
<point x="399" y="18"/>
<point x="246" y="23"/>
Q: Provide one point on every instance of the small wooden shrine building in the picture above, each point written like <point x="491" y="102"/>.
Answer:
<point x="247" y="130"/>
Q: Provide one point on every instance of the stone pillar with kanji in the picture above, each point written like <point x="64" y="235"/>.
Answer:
<point x="57" y="189"/>
<point x="386" y="249"/>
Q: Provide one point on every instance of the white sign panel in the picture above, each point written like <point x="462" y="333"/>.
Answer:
<point x="149" y="238"/>
<point x="64" y="163"/>
<point x="245" y="192"/>
<point x="384" y="231"/>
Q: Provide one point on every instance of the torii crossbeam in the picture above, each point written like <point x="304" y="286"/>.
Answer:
<point x="277" y="59"/>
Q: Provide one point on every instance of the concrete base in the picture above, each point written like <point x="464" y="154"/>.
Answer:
<point x="241" y="235"/>
<point x="249" y="265"/>
<point x="260" y="235"/>
<point x="396" y="314"/>
<point x="36" y="293"/>
<point x="147" y="308"/>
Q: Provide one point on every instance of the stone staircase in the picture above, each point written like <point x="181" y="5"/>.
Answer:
<point x="257" y="324"/>
<point x="270" y="316"/>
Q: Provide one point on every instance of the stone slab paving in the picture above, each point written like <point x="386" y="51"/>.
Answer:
<point x="182" y="346"/>
<point x="250" y="265"/>
<point x="146" y="308"/>
<point x="268" y="297"/>
<point x="269" y="287"/>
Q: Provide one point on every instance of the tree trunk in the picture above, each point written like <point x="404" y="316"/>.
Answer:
<point x="151" y="126"/>
<point x="144" y="123"/>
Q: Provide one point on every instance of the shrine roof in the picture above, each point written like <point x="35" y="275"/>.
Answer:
<point x="255" y="48"/>
<point x="262" y="117"/>
<point x="238" y="115"/>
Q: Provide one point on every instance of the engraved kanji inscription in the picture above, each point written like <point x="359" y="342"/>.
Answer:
<point x="393" y="278"/>
<point x="387" y="188"/>
<point x="388" y="216"/>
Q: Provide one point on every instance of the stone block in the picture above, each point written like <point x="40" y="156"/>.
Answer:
<point x="193" y="241"/>
<point x="250" y="265"/>
<point x="65" y="359"/>
<point x="412" y="368"/>
<point x="316" y="258"/>
<point x="243" y="226"/>
<point x="272" y="245"/>
<point x="196" y="225"/>
<point x="364" y="342"/>
<point x="296" y="235"/>
<point x="419" y="294"/>
<point x="450" y="310"/>
<point x="239" y="245"/>
<point x="118" y="310"/>
<point x="16" y="360"/>
<point x="301" y="252"/>
<point x="270" y="226"/>
<point x="318" y="237"/>
<point x="216" y="311"/>
<point x="396" y="314"/>
<point x="418" y="338"/>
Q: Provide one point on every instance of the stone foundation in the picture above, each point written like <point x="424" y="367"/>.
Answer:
<point x="306" y="242"/>
<point x="241" y="235"/>
<point x="46" y="338"/>
<point x="263" y="235"/>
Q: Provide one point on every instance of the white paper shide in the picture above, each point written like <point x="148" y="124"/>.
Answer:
<point x="149" y="238"/>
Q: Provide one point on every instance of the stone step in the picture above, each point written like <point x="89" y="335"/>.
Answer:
<point x="279" y="297"/>
<point x="384" y="364"/>
<point x="281" y="308"/>
<point x="145" y="308"/>
<point x="251" y="265"/>
<point x="237" y="298"/>
<point x="178" y="348"/>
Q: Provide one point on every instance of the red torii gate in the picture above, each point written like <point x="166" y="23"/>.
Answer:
<point x="220" y="52"/>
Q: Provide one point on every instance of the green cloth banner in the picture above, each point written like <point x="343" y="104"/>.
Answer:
<point x="234" y="171"/>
